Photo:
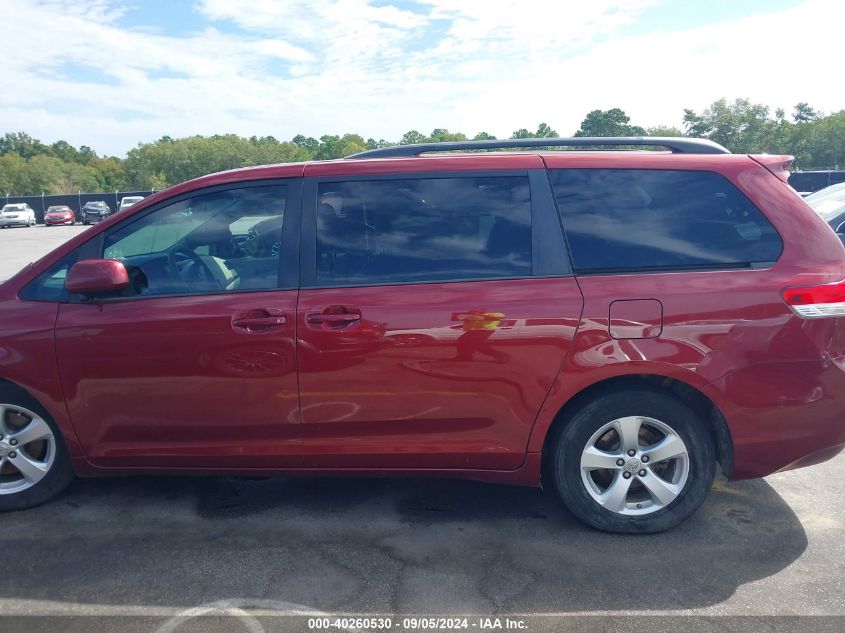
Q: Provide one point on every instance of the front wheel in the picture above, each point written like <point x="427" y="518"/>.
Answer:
<point x="633" y="461"/>
<point x="34" y="465"/>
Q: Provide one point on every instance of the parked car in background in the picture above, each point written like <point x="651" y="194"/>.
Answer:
<point x="94" y="212"/>
<point x="128" y="201"/>
<point x="59" y="214"/>
<point x="829" y="203"/>
<point x="17" y="214"/>
<point x="807" y="182"/>
<point x="836" y="192"/>
<point x="615" y="325"/>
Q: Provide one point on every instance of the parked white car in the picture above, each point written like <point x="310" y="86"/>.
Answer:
<point x="17" y="214"/>
<point x="128" y="201"/>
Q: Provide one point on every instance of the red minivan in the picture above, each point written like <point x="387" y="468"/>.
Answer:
<point x="612" y="324"/>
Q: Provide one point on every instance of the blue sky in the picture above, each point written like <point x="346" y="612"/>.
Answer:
<point x="112" y="73"/>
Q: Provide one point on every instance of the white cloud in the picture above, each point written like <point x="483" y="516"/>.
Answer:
<point x="334" y="66"/>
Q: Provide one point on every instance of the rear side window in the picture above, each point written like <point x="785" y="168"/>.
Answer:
<point x="423" y="229"/>
<point x="634" y="219"/>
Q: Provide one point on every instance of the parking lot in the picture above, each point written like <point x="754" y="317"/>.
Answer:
<point x="159" y="547"/>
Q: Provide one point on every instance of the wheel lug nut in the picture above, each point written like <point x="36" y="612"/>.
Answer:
<point x="12" y="455"/>
<point x="644" y="459"/>
<point x="642" y="473"/>
<point x="13" y="442"/>
<point x="626" y="475"/>
<point x="620" y="462"/>
<point x="632" y="452"/>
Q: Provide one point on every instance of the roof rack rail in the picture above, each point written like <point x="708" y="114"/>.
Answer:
<point x="675" y="144"/>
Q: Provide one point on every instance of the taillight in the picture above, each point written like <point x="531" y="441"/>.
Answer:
<point x="813" y="302"/>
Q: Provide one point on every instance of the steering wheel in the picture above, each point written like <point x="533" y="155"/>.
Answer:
<point x="197" y="273"/>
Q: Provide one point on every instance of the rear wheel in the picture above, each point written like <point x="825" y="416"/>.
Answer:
<point x="34" y="465"/>
<point x="634" y="461"/>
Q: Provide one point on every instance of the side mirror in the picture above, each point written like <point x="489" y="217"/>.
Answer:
<point x="94" y="277"/>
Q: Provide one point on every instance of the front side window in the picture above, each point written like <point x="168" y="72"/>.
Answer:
<point x="50" y="285"/>
<point x="423" y="229"/>
<point x="639" y="219"/>
<point x="217" y="242"/>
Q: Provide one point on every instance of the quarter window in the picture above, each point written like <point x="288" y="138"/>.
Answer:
<point x="218" y="242"/>
<point x="636" y="219"/>
<point x="423" y="229"/>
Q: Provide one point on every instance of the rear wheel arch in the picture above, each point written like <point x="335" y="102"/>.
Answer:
<point x="706" y="410"/>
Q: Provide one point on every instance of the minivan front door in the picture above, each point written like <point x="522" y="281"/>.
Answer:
<point x="194" y="366"/>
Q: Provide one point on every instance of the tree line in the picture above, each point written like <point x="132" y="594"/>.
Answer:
<point x="30" y="167"/>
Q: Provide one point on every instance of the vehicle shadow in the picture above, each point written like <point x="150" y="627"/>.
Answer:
<point x="382" y="546"/>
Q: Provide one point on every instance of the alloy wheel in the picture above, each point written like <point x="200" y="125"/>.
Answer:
<point x="27" y="449"/>
<point x="634" y="465"/>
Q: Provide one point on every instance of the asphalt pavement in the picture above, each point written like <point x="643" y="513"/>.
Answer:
<point x="185" y="554"/>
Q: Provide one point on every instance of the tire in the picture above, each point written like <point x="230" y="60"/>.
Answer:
<point x="590" y="458"/>
<point x="48" y="453"/>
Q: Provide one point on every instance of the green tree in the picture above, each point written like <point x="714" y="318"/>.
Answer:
<point x="14" y="174"/>
<point x="309" y="144"/>
<point x="827" y="142"/>
<point x="442" y="135"/>
<point x="741" y="126"/>
<point x="803" y="113"/>
<point x="544" y="131"/>
<point x="664" y="130"/>
<point x="23" y="145"/>
<point x="613" y="122"/>
<point x="413" y="138"/>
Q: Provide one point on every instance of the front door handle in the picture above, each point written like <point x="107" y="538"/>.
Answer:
<point x="260" y="320"/>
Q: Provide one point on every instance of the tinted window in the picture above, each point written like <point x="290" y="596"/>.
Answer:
<point x="217" y="242"/>
<point x="423" y="229"/>
<point x="50" y="285"/>
<point x="617" y="219"/>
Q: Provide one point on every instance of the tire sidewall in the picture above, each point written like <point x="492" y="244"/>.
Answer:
<point x="587" y="420"/>
<point x="60" y="474"/>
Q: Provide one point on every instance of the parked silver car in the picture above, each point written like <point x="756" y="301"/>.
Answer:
<point x="128" y="201"/>
<point x="17" y="214"/>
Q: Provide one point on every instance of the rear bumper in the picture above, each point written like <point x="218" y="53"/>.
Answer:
<point x="784" y="415"/>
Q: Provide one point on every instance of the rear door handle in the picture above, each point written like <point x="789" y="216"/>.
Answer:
<point x="334" y="315"/>
<point x="261" y="320"/>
